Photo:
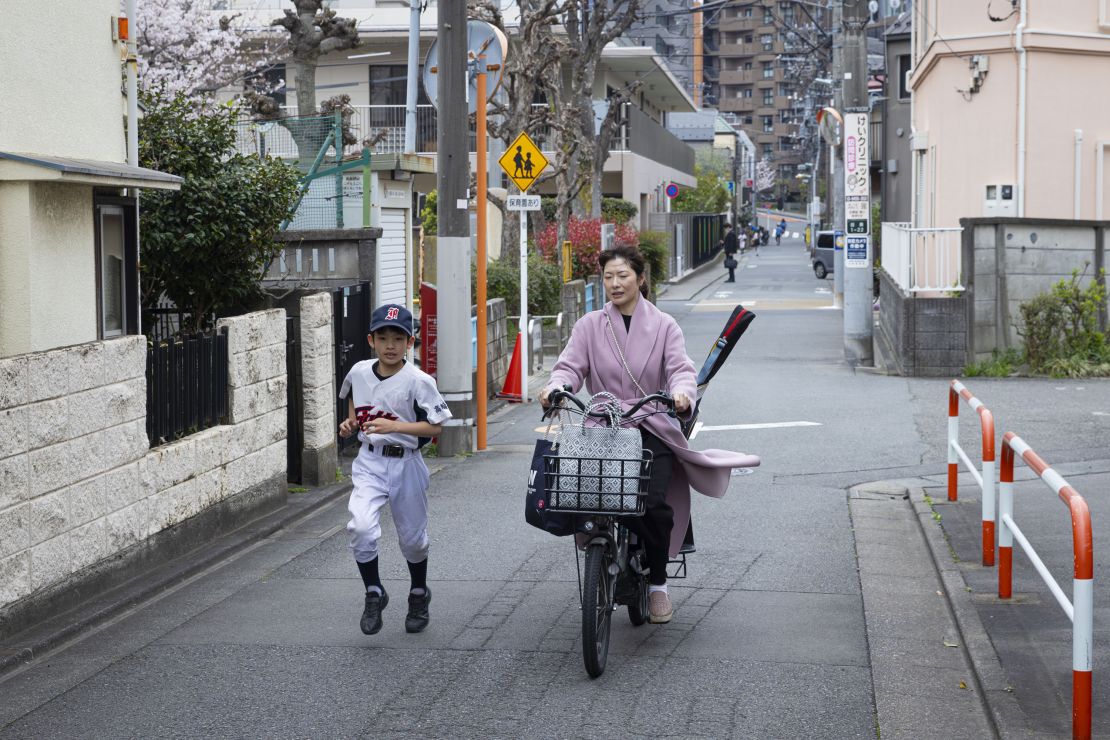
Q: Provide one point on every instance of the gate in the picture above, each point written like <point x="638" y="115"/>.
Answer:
<point x="352" y="308"/>
<point x="294" y="405"/>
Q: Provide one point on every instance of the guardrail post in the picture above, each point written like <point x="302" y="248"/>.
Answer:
<point x="989" y="516"/>
<point x="1005" y="509"/>
<point x="1083" y="587"/>
<point x="953" y="440"/>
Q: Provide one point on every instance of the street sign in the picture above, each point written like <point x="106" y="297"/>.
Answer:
<point x="857" y="251"/>
<point x="523" y="203"/>
<point x="857" y="173"/>
<point x="672" y="190"/>
<point x="523" y="162"/>
<point x="731" y="185"/>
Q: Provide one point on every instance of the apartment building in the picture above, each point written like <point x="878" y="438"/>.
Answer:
<point x="765" y="62"/>
<point x="667" y="27"/>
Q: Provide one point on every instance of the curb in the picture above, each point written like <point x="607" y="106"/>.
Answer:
<point x="1002" y="706"/>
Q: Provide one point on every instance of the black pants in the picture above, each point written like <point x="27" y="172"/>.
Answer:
<point x="731" y="270"/>
<point x="654" y="528"/>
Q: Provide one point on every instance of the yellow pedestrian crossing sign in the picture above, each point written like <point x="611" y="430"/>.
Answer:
<point x="523" y="162"/>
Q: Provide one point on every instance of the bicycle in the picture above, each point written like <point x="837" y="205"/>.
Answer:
<point x="614" y="574"/>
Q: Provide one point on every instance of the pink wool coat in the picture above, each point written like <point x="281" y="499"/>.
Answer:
<point x="656" y="353"/>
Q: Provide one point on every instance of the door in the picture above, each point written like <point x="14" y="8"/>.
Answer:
<point x="113" y="278"/>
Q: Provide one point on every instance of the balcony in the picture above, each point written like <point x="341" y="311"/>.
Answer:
<point x="737" y="105"/>
<point x="650" y="140"/>
<point x="737" y="77"/>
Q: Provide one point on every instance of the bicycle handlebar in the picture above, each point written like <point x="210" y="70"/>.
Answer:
<point x="560" y="394"/>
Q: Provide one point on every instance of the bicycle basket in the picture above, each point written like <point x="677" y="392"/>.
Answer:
<point x="588" y="485"/>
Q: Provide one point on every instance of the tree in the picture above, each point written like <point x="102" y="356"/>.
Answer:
<point x="710" y="196"/>
<point x="185" y="48"/>
<point x="313" y="30"/>
<point x="206" y="246"/>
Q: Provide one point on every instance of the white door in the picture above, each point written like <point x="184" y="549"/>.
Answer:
<point x="390" y="285"/>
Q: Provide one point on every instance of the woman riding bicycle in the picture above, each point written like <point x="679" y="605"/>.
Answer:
<point x="631" y="349"/>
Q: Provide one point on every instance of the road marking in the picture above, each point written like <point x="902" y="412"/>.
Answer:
<point x="752" y="267"/>
<point x="822" y="291"/>
<point x="699" y="427"/>
<point x="1100" y="413"/>
<point x="731" y="303"/>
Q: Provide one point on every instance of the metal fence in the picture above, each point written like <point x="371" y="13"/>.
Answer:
<point x="922" y="260"/>
<point x="186" y="385"/>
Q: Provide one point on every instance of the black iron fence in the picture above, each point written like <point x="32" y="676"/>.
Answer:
<point x="186" y="385"/>
<point x="705" y="238"/>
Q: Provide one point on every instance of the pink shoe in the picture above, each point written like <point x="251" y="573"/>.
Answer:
<point x="659" y="606"/>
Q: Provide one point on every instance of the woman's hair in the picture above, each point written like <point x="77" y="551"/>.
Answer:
<point x="632" y="256"/>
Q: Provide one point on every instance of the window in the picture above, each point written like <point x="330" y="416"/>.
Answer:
<point x="744" y="92"/>
<point x="660" y="45"/>
<point x="768" y="124"/>
<point x="747" y="120"/>
<point x="768" y="97"/>
<point x="746" y="13"/>
<point x="387" y="84"/>
<point x="903" y="76"/>
<point x="117" y="286"/>
<point x="747" y="65"/>
<point x="748" y="38"/>
<point x="768" y="150"/>
<point x="767" y="40"/>
<point x="768" y="70"/>
<point x="768" y="17"/>
<point x="784" y="90"/>
<point x="272" y="82"/>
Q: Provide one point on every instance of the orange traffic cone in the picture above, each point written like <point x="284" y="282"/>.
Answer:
<point x="511" y="389"/>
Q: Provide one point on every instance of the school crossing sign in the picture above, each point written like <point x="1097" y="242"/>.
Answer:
<point x="523" y="162"/>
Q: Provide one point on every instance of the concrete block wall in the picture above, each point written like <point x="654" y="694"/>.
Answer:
<point x="573" y="303"/>
<point x="1010" y="261"/>
<point x="79" y="485"/>
<point x="499" y="346"/>
<point x="924" y="337"/>
<point x="318" y="457"/>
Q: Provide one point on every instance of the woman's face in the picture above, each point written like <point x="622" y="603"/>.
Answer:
<point x="622" y="285"/>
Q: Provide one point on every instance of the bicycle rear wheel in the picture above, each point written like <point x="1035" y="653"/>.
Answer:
<point x="597" y="609"/>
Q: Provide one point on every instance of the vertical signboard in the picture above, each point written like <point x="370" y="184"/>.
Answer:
<point x="857" y="189"/>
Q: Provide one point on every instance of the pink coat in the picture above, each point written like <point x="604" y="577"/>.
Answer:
<point x="656" y="353"/>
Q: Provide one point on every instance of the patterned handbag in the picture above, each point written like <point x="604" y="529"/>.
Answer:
<point x="598" y="468"/>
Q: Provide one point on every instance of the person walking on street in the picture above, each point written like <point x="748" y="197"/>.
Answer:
<point x="395" y="409"/>
<point x="732" y="246"/>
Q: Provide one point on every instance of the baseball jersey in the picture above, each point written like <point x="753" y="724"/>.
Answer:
<point x="407" y="395"/>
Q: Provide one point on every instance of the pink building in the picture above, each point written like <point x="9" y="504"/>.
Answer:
<point x="1010" y="114"/>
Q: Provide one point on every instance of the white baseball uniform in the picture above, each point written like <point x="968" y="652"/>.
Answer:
<point x="407" y="395"/>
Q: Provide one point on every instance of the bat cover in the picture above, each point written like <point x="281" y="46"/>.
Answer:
<point x="719" y="351"/>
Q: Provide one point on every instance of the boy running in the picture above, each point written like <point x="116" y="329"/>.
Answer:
<point x="395" y="409"/>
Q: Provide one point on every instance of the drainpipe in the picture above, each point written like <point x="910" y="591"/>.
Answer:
<point x="132" y="83"/>
<point x="1023" y="74"/>
<point x="1078" y="172"/>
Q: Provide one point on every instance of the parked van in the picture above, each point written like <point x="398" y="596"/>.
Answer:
<point x="823" y="250"/>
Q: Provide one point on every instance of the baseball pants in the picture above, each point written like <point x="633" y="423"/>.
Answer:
<point x="402" y="482"/>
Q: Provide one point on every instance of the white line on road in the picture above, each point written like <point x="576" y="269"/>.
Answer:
<point x="699" y="427"/>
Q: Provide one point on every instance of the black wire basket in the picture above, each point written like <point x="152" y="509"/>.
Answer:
<point x="587" y="485"/>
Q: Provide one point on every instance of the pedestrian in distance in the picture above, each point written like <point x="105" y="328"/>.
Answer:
<point x="395" y="409"/>
<point x="630" y="348"/>
<point x="732" y="246"/>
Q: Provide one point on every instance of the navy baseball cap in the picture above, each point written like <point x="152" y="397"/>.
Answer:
<point x="391" y="314"/>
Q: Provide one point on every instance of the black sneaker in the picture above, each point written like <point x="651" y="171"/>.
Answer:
<point x="371" y="622"/>
<point x="417" y="618"/>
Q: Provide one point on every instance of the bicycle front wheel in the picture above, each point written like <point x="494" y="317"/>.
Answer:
<point x="597" y="609"/>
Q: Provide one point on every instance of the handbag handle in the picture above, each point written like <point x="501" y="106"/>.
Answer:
<point x="608" y="405"/>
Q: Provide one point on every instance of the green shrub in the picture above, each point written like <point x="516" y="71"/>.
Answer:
<point x="1000" y="365"/>
<point x="545" y="285"/>
<point x="1060" y="329"/>
<point x="617" y="210"/>
<point x="653" y="244"/>
<point x="428" y="217"/>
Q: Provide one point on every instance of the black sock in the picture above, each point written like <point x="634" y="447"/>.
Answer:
<point x="419" y="574"/>
<point x="369" y="573"/>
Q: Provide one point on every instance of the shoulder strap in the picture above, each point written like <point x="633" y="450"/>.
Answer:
<point x="620" y="353"/>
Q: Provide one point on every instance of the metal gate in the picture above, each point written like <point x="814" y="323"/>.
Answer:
<point x="352" y="308"/>
<point x="294" y="407"/>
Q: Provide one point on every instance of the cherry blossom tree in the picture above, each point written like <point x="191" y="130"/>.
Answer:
<point x="764" y="175"/>
<point x="186" y="46"/>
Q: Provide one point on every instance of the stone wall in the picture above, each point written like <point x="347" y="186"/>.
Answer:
<point x="924" y="337"/>
<point x="82" y="495"/>
<point x="1009" y="261"/>
<point x="318" y="391"/>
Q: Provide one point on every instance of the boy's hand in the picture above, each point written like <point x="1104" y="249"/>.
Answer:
<point x="380" y="425"/>
<point x="347" y="427"/>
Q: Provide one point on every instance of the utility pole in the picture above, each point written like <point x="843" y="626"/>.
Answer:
<point x="412" y="82"/>
<point x="836" y="158"/>
<point x="857" y="261"/>
<point x="453" y="245"/>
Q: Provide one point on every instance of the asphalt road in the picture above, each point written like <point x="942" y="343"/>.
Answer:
<point x="771" y="637"/>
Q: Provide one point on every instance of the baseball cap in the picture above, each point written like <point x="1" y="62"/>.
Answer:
<point x="391" y="314"/>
